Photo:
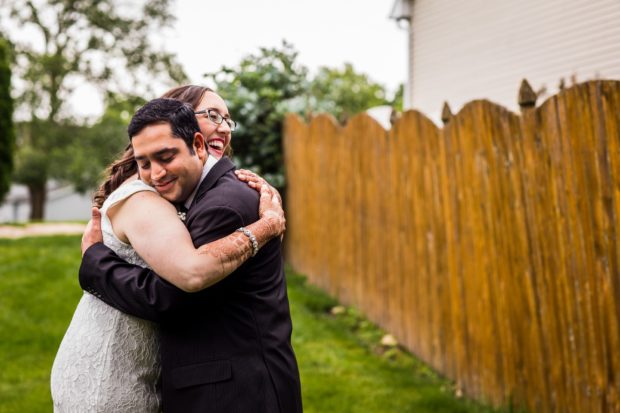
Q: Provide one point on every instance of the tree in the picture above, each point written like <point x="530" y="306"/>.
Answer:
<point x="7" y="133"/>
<point x="398" y="100"/>
<point x="259" y="91"/>
<point x="40" y="140"/>
<point x="82" y="41"/>
<point x="344" y="92"/>
<point x="265" y="86"/>
<point x="84" y="161"/>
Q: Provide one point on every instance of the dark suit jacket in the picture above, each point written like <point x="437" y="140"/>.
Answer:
<point x="226" y="348"/>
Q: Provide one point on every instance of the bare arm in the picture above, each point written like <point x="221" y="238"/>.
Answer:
<point x="150" y="224"/>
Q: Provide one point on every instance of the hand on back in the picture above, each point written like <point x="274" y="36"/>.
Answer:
<point x="269" y="208"/>
<point x="92" y="233"/>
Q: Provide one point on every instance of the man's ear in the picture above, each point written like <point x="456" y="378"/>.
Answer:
<point x="199" y="146"/>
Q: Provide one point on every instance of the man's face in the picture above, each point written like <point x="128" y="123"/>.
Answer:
<point x="217" y="137"/>
<point x="165" y="162"/>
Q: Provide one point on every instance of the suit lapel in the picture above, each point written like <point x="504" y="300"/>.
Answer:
<point x="219" y="169"/>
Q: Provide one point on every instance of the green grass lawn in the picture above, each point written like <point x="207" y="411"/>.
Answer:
<point x="38" y="293"/>
<point x="344" y="369"/>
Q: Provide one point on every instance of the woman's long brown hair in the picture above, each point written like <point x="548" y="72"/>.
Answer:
<point x="125" y="166"/>
<point x="117" y="173"/>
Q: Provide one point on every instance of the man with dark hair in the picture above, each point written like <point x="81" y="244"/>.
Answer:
<point x="226" y="348"/>
<point x="175" y="113"/>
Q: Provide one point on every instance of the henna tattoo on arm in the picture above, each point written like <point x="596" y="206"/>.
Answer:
<point x="229" y="252"/>
<point x="232" y="251"/>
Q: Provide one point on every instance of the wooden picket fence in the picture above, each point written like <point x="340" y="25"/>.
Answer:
<point x="488" y="247"/>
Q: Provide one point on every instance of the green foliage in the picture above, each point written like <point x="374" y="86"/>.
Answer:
<point x="258" y="93"/>
<point x="344" y="92"/>
<point x="31" y="166"/>
<point x="41" y="145"/>
<point x="84" y="160"/>
<point x="398" y="99"/>
<point x="343" y="368"/>
<point x="71" y="152"/>
<point x="102" y="43"/>
<point x="265" y="86"/>
<point x="7" y="132"/>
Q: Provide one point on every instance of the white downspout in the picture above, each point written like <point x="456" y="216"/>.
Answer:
<point x="402" y="12"/>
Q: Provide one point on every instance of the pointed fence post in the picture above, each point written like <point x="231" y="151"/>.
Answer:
<point x="527" y="96"/>
<point x="394" y="116"/>
<point x="446" y="113"/>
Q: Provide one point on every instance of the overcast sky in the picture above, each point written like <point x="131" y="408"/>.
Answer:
<point x="326" y="32"/>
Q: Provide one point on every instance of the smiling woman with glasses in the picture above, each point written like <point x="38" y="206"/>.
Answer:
<point x="195" y="95"/>
<point x="215" y="117"/>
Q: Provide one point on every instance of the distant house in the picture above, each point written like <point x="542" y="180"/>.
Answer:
<point x="63" y="204"/>
<point x="464" y="50"/>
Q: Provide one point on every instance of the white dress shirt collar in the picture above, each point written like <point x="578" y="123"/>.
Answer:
<point x="211" y="161"/>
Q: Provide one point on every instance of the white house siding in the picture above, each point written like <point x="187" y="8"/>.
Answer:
<point x="66" y="205"/>
<point x="15" y="206"/>
<point x="63" y="204"/>
<point x="465" y="50"/>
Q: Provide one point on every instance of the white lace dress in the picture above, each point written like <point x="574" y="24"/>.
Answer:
<point x="108" y="361"/>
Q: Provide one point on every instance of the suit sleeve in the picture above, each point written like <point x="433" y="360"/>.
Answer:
<point x="140" y="291"/>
